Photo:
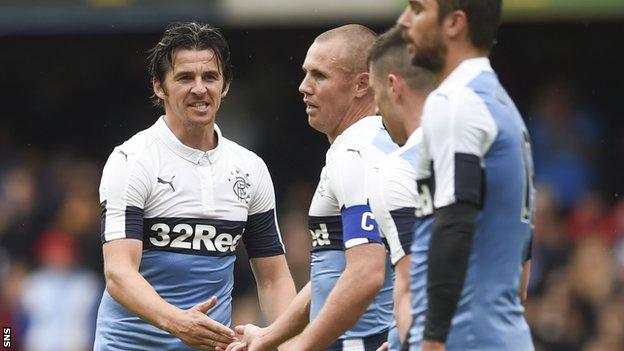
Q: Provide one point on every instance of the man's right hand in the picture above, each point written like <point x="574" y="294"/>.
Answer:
<point x="251" y="339"/>
<point x="199" y="331"/>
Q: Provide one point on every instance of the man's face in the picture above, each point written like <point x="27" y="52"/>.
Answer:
<point x="421" y="28"/>
<point x="193" y="88"/>
<point x="385" y="102"/>
<point x="328" y="87"/>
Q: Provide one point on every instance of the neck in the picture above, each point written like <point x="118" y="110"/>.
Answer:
<point x="200" y="137"/>
<point x="457" y="54"/>
<point x="356" y="112"/>
<point x="412" y="110"/>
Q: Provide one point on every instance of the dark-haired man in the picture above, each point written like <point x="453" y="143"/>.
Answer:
<point x="177" y="198"/>
<point x="482" y="166"/>
<point x="402" y="212"/>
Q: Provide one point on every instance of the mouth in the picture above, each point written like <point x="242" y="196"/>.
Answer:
<point x="199" y="106"/>
<point x="406" y="37"/>
<point x="310" y="107"/>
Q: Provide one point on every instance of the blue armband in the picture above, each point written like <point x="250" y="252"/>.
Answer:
<point x="359" y="226"/>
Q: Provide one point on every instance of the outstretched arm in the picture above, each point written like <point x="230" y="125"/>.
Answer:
<point x="365" y="269"/>
<point x="128" y="287"/>
<point x="285" y="327"/>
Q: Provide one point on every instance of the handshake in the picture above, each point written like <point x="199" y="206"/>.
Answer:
<point x="250" y="339"/>
<point x="196" y="329"/>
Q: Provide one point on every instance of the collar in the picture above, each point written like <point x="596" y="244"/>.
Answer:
<point x="415" y="138"/>
<point x="465" y="72"/>
<point x="354" y="129"/>
<point x="188" y="153"/>
<point x="351" y="133"/>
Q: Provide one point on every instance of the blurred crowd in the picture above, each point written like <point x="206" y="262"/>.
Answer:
<point x="51" y="265"/>
<point x="576" y="295"/>
<point x="50" y="259"/>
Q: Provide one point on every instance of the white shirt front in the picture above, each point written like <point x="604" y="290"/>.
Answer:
<point x="455" y="120"/>
<point x="154" y="173"/>
<point x="344" y="179"/>
<point x="394" y="198"/>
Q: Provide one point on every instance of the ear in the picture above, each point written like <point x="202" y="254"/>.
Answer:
<point x="395" y="86"/>
<point x="362" y="86"/>
<point x="159" y="89"/>
<point x="456" y="24"/>
<point x="226" y="88"/>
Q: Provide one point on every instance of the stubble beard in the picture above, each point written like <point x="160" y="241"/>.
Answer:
<point x="430" y="54"/>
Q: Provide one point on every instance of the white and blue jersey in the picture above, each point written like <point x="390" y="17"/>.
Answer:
<point x="402" y="212"/>
<point x="190" y="209"/>
<point x="340" y="218"/>
<point x="480" y="150"/>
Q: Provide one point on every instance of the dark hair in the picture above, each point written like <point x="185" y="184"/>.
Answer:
<point x="483" y="19"/>
<point x="189" y="36"/>
<point x="389" y="55"/>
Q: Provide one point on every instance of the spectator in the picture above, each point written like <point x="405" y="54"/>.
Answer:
<point x="59" y="298"/>
<point x="564" y="134"/>
<point x="560" y="323"/>
<point x="591" y="272"/>
<point x="18" y="213"/>
<point x="590" y="217"/>
<point x="550" y="245"/>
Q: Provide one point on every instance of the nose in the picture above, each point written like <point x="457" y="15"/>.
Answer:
<point x="305" y="87"/>
<point x="403" y="20"/>
<point x="199" y="88"/>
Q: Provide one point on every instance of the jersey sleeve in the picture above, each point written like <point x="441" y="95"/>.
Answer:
<point x="262" y="237"/>
<point x="457" y="135"/>
<point x="123" y="192"/>
<point x="392" y="192"/>
<point x="348" y="181"/>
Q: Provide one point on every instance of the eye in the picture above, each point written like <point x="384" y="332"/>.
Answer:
<point x="185" y="78"/>
<point x="318" y="75"/>
<point x="210" y="77"/>
<point x="415" y="7"/>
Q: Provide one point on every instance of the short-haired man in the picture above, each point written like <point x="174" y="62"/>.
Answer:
<point x="349" y="298"/>
<point x="484" y="196"/>
<point x="402" y="212"/>
<point x="176" y="200"/>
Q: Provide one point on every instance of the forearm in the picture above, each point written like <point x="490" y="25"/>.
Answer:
<point x="133" y="292"/>
<point x="449" y="251"/>
<point x="345" y="305"/>
<point x="402" y="314"/>
<point x="290" y="323"/>
<point x="402" y="296"/>
<point x="275" y="296"/>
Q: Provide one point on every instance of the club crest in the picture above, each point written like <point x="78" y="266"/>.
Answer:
<point x="320" y="190"/>
<point x="240" y="184"/>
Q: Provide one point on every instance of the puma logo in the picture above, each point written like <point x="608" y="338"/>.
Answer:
<point x="125" y="154"/>
<point x="161" y="181"/>
<point x="354" y="150"/>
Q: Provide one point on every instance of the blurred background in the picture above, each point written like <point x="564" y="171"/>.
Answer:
<point x="74" y="85"/>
